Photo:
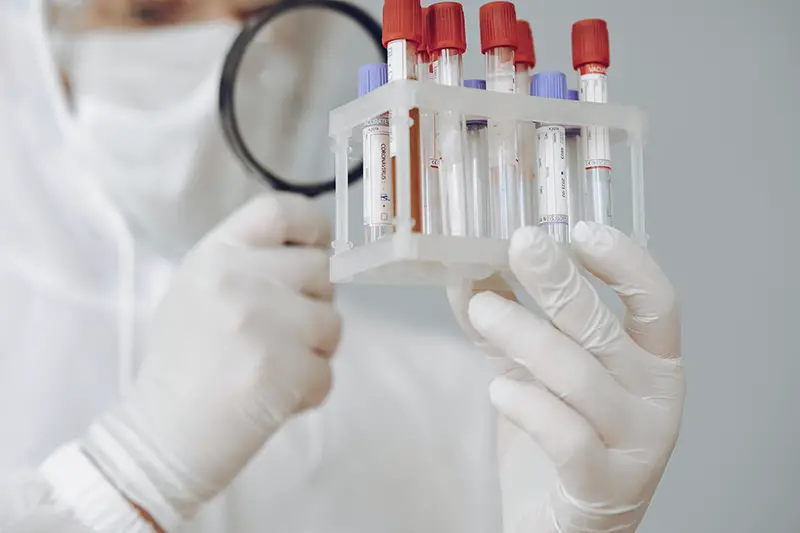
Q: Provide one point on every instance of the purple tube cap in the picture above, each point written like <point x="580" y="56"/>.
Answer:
<point x="372" y="76"/>
<point x="572" y="95"/>
<point x="475" y="84"/>
<point x="549" y="85"/>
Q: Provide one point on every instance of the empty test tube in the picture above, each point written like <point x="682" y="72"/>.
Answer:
<point x="591" y="58"/>
<point x="524" y="63"/>
<point x="477" y="169"/>
<point x="431" y="202"/>
<point x="498" y="27"/>
<point x="574" y="170"/>
<point x="551" y="159"/>
<point x="402" y="33"/>
<point x="378" y="183"/>
<point x="447" y="44"/>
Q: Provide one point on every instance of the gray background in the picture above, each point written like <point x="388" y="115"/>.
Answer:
<point x="714" y="77"/>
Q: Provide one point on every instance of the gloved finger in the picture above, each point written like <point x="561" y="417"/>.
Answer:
<point x="572" y="444"/>
<point x="317" y="323"/>
<point x="302" y="269"/>
<point x="304" y="381"/>
<point x="320" y="382"/>
<point x="461" y="290"/>
<point x="314" y="323"/>
<point x="569" y="371"/>
<point x="305" y="270"/>
<point x="552" y="278"/>
<point x="459" y="293"/>
<point x="276" y="219"/>
<point x="653" y="319"/>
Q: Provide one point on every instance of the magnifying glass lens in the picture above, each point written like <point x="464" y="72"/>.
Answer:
<point x="296" y="69"/>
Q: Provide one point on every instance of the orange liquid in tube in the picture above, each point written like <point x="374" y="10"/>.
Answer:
<point x="402" y="34"/>
<point x="416" y="174"/>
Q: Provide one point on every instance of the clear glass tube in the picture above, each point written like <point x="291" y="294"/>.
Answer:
<point x="431" y="202"/>
<point x="401" y="57"/>
<point x="478" y="177"/>
<point x="450" y="149"/>
<point x="551" y="171"/>
<point x="504" y="190"/>
<point x="596" y="147"/>
<point x="526" y="146"/>
<point x="378" y="194"/>
<point x="575" y="190"/>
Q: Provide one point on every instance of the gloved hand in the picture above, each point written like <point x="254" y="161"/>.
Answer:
<point x="239" y="343"/>
<point x="602" y="399"/>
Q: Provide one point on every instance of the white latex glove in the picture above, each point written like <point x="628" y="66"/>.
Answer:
<point x="603" y="399"/>
<point x="239" y="343"/>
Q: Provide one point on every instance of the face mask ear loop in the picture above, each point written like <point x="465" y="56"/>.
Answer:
<point x="54" y="88"/>
<point x="127" y="307"/>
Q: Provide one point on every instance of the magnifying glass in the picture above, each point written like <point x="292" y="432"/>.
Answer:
<point x="293" y="63"/>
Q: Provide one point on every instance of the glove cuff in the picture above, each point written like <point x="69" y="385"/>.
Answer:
<point x="115" y="446"/>
<point x="79" y="489"/>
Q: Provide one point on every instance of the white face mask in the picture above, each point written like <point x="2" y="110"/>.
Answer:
<point x="146" y="106"/>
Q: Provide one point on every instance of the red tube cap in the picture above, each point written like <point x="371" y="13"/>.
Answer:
<point x="525" y="54"/>
<point x="402" y="20"/>
<point x="447" y="27"/>
<point x="498" y="25"/>
<point x="590" y="43"/>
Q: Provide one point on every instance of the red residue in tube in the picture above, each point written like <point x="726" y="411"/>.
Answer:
<point x="422" y="50"/>
<point x="498" y="22"/>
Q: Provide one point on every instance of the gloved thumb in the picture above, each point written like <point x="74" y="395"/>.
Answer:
<point x="460" y="292"/>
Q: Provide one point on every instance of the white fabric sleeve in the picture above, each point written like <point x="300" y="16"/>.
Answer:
<point x="68" y="494"/>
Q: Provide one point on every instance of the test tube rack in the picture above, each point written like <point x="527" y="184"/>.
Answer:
<point x="409" y="258"/>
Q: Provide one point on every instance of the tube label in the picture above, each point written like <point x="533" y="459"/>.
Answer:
<point x="401" y="63"/>
<point x="596" y="141"/>
<point x="396" y="64"/>
<point x="551" y="166"/>
<point x="377" y="172"/>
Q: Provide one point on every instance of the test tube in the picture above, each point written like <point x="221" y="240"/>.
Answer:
<point x="431" y="202"/>
<point x="402" y="33"/>
<point x="574" y="170"/>
<point x="477" y="169"/>
<point x="498" y="26"/>
<point x="591" y="58"/>
<point x="551" y="161"/>
<point x="378" y="183"/>
<point x="424" y="69"/>
<point x="447" y="43"/>
<point x="524" y="63"/>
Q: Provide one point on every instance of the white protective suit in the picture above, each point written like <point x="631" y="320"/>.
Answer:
<point x="404" y="442"/>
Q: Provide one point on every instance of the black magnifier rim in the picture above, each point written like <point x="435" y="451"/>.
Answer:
<point x="227" y="107"/>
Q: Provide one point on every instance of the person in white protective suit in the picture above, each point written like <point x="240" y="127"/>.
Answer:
<point x="168" y="328"/>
